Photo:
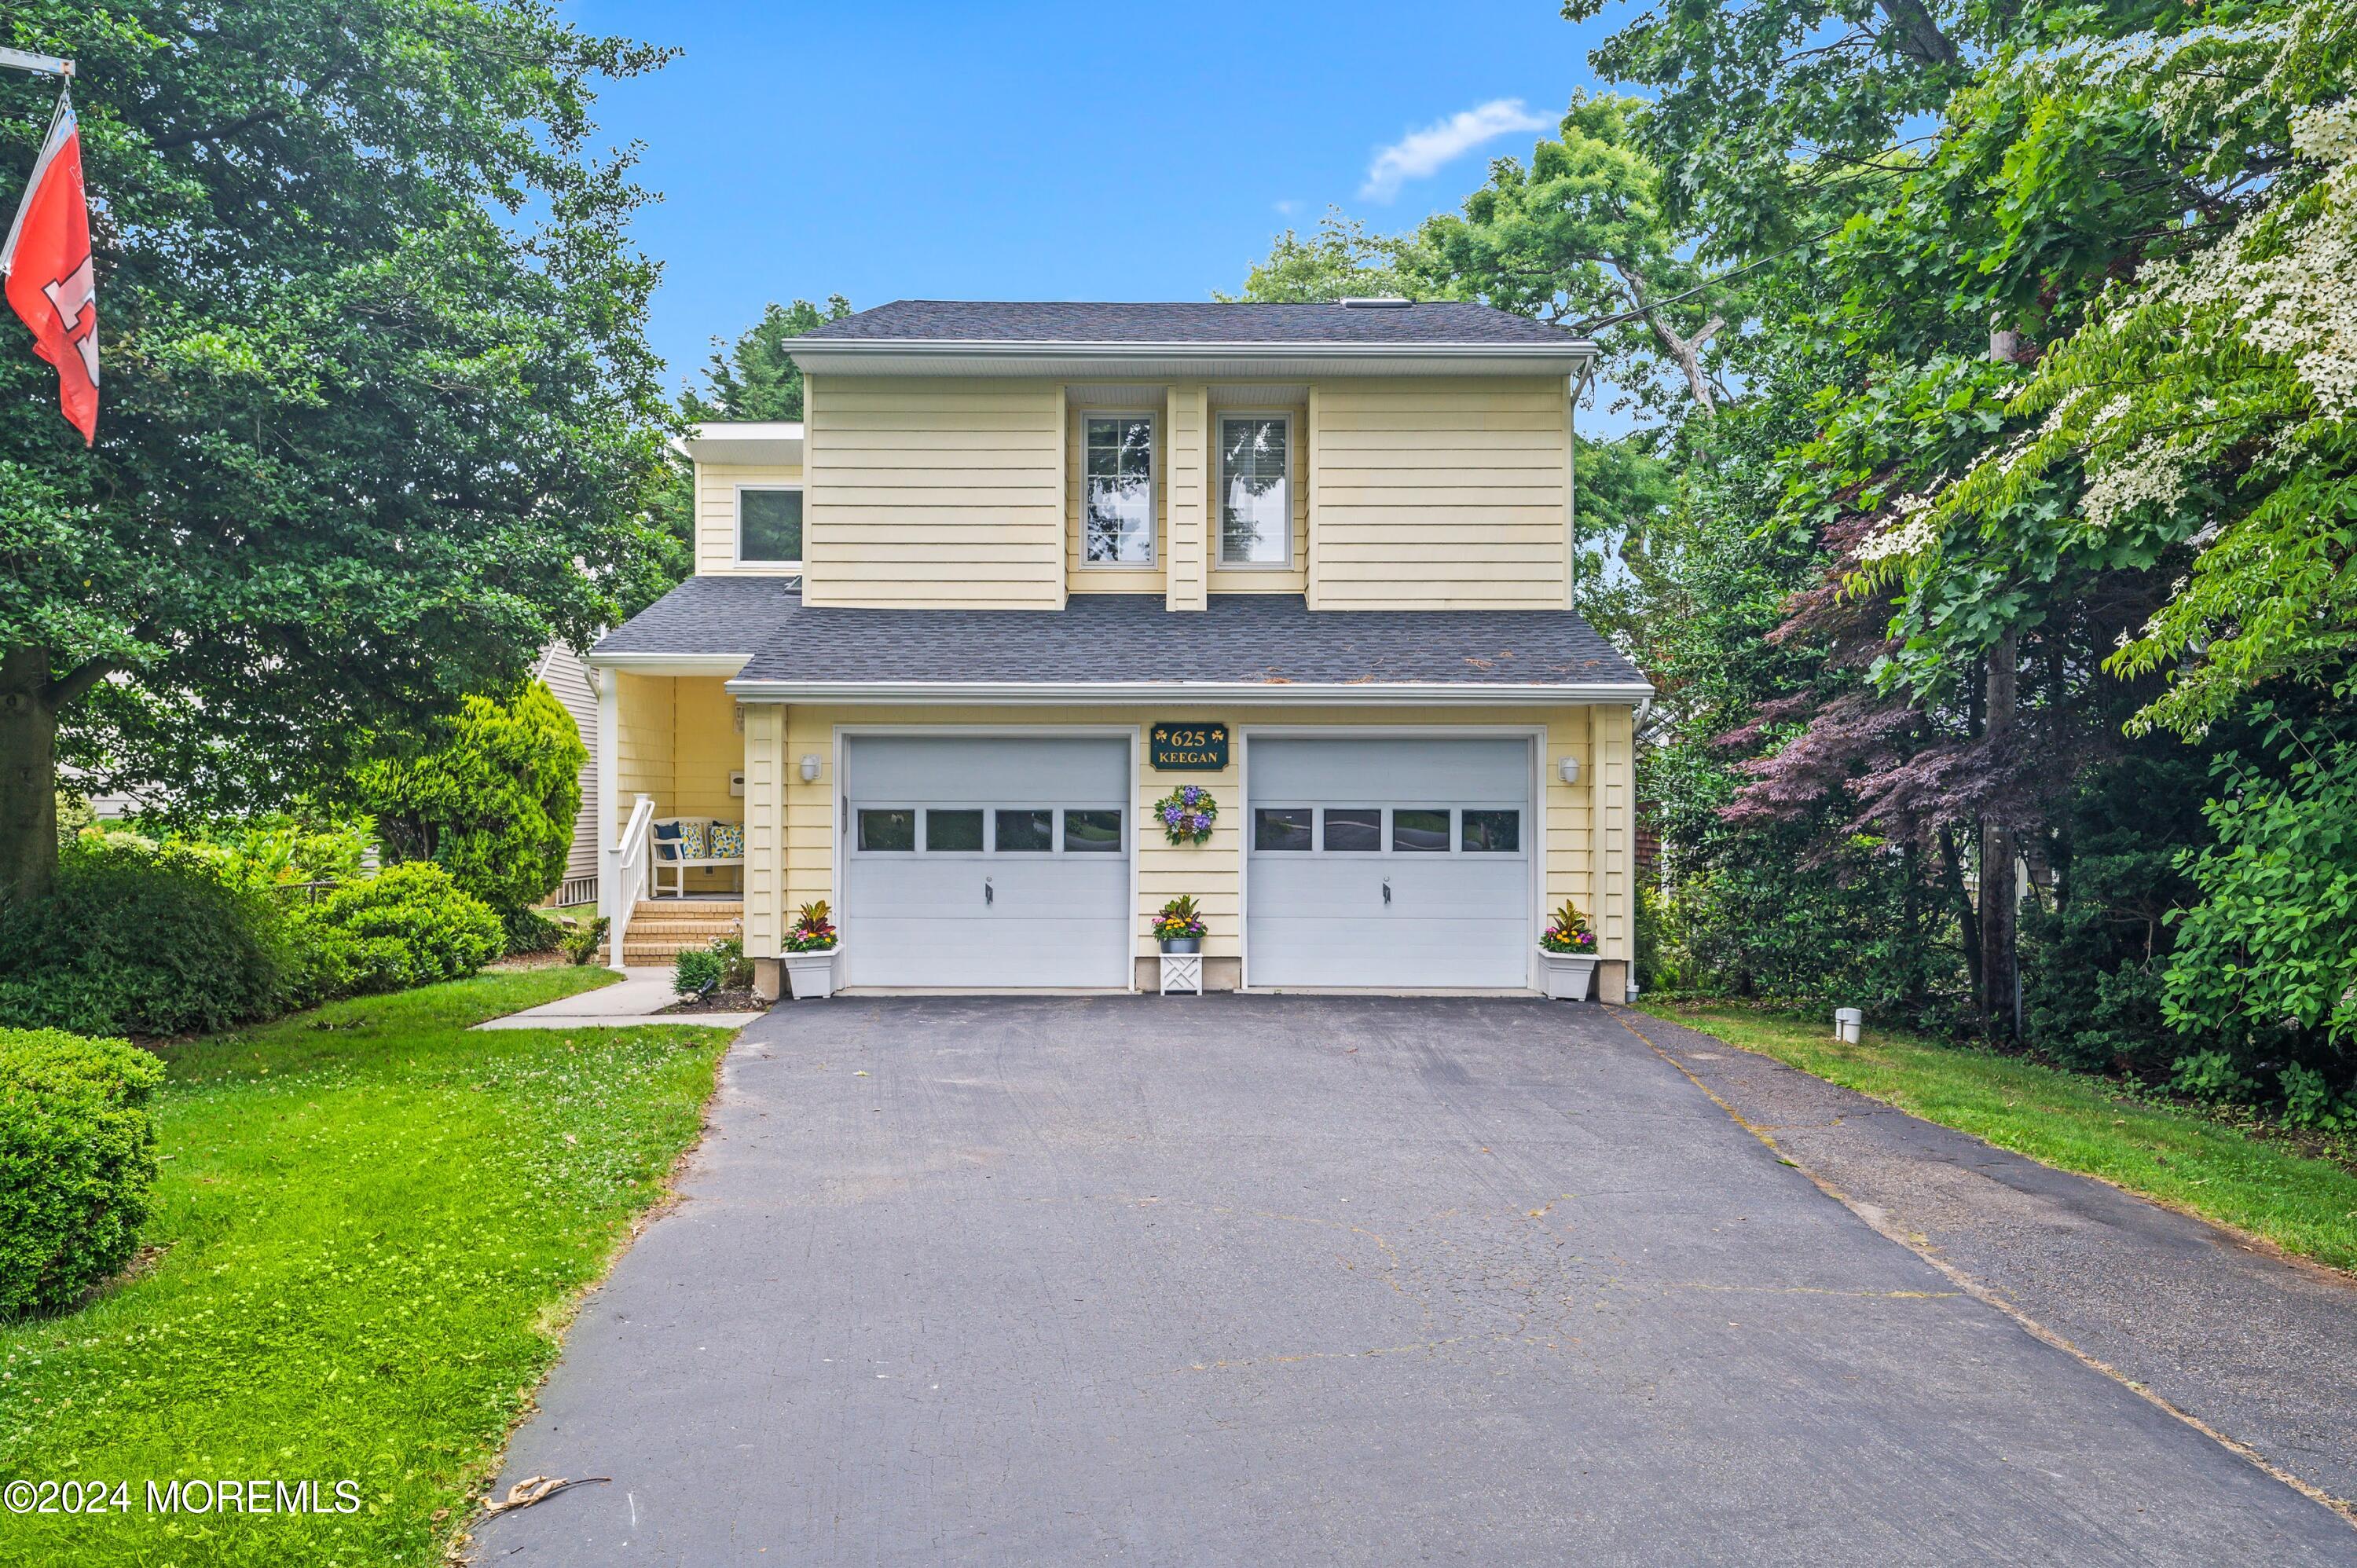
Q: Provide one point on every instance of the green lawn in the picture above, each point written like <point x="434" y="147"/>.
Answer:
<point x="2074" y="1122"/>
<point x="372" y="1224"/>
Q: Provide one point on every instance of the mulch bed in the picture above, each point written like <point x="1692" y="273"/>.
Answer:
<point x="721" y="1002"/>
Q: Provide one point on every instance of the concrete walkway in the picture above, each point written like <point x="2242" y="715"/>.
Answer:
<point x="639" y="998"/>
<point x="1295" y="1280"/>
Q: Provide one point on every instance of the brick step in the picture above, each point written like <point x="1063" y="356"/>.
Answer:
<point x="663" y="929"/>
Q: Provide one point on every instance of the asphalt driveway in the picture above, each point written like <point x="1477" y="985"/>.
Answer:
<point x="1267" y="1280"/>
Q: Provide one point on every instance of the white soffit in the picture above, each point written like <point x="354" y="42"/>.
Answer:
<point x="767" y="443"/>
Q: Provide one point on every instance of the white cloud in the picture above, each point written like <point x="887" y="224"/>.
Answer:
<point x="1287" y="208"/>
<point x="1419" y="153"/>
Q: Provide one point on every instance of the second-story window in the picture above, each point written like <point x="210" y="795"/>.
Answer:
<point x="1255" y="490"/>
<point x="1117" y="491"/>
<point x="769" y="527"/>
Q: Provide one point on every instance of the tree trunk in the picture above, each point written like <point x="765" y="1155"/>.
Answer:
<point x="1687" y="351"/>
<point x="28" y="776"/>
<point x="1968" y="925"/>
<point x="2000" y="989"/>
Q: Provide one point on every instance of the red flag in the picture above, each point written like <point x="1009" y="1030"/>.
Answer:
<point x="46" y="264"/>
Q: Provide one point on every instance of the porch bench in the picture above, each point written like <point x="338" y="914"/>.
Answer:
<point x="673" y="837"/>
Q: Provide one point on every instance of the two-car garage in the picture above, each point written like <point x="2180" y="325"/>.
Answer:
<point x="1009" y="861"/>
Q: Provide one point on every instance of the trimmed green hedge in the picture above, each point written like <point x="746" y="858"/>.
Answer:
<point x="409" y="926"/>
<point x="145" y="939"/>
<point x="76" y="1159"/>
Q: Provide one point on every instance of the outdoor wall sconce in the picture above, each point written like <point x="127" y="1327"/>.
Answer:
<point x="1568" y="769"/>
<point x="811" y="765"/>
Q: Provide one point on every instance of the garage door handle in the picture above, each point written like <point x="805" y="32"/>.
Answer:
<point x="1387" y="891"/>
<point x="989" y="895"/>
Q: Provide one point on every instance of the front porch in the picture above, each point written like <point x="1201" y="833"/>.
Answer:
<point x="672" y="813"/>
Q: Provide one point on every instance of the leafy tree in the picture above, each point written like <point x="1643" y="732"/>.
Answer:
<point x="2206" y="406"/>
<point x="1581" y="237"/>
<point x="379" y="419"/>
<point x="1577" y="237"/>
<point x="752" y="379"/>
<point x="1340" y="260"/>
<point x="2268" y="958"/>
<point x="493" y="804"/>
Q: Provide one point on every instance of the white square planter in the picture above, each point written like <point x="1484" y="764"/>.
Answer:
<point x="1182" y="971"/>
<point x="811" y="975"/>
<point x="1568" y="976"/>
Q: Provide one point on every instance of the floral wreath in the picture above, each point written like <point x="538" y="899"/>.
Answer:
<point x="1186" y="814"/>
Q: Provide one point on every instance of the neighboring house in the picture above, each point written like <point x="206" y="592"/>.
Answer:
<point x="574" y="685"/>
<point x="1025" y="569"/>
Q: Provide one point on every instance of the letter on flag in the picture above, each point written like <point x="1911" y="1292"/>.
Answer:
<point x="47" y="265"/>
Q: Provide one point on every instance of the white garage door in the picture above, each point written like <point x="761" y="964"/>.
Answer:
<point x="1390" y="864"/>
<point x="986" y="862"/>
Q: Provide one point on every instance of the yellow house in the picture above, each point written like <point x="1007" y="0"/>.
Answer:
<point x="1024" y="571"/>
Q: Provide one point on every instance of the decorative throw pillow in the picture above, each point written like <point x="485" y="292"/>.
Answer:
<point x="728" y="841"/>
<point x="667" y="841"/>
<point x="691" y="838"/>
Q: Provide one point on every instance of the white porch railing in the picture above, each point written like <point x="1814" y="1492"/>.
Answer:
<point x="624" y="880"/>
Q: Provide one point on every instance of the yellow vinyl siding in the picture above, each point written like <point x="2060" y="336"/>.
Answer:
<point x="1212" y="871"/>
<point x="715" y="513"/>
<point x="1188" y="486"/>
<point x="935" y="491"/>
<point x="1292" y="579"/>
<point x="1441" y="493"/>
<point x="642" y="761"/>
<point x="766" y="767"/>
<point x="1079" y="576"/>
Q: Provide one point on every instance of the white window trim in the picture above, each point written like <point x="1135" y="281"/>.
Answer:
<point x="1220" y="562"/>
<point x="736" y="527"/>
<point x="1152" y="561"/>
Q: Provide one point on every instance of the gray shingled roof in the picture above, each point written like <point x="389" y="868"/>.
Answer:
<point x="707" y="615"/>
<point x="1271" y="638"/>
<point x="996" y="321"/>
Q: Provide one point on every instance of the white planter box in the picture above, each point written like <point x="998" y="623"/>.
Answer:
<point x="811" y="975"/>
<point x="1568" y="976"/>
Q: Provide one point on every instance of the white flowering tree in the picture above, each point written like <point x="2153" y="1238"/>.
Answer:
<point x="2202" y="411"/>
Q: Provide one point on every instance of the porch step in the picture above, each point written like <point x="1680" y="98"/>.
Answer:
<point x="662" y="929"/>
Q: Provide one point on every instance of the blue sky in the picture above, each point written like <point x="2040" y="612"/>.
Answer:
<point x="884" y="151"/>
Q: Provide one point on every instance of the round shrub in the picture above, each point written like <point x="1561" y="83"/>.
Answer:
<point x="145" y="939"/>
<point x="77" y="1158"/>
<point x="410" y="926"/>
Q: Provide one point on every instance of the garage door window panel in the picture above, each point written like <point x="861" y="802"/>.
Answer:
<point x="956" y="831"/>
<point x="1352" y="830"/>
<point x="1092" y="831"/>
<point x="1024" y="831"/>
<point x="1420" y="829"/>
<point x="1490" y="832"/>
<point x="1283" y="829"/>
<point x="888" y="829"/>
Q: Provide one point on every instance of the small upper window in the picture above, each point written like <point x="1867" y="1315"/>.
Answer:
<point x="1117" y="491"/>
<point x="1255" y="490"/>
<point x="770" y="527"/>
